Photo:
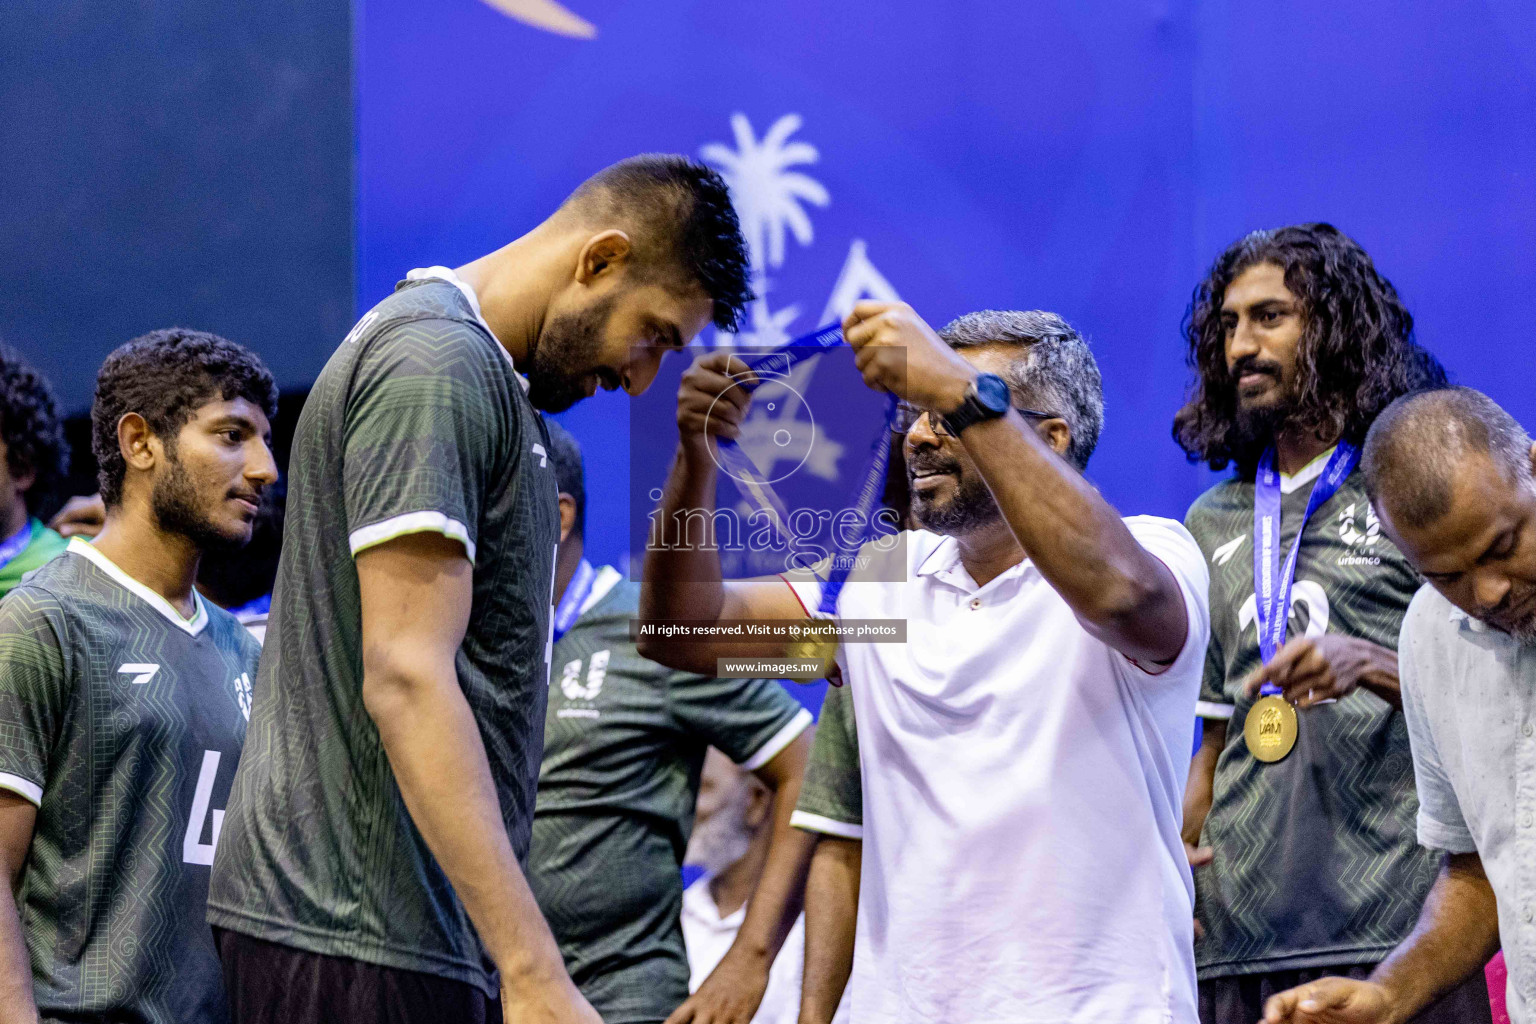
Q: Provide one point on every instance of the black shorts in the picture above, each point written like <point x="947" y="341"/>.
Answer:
<point x="1240" y="999"/>
<point x="274" y="984"/>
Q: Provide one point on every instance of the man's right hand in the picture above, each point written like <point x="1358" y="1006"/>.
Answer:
<point x="711" y="400"/>
<point x="558" y="1002"/>
<point x="1330" y="1001"/>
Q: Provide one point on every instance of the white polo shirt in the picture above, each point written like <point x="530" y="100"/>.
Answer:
<point x="1023" y="789"/>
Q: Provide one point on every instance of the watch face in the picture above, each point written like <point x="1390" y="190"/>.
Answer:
<point x="992" y="393"/>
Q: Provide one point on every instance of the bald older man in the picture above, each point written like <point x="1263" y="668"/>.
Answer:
<point x="1453" y="479"/>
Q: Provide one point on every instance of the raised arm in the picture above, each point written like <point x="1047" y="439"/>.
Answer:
<point x="682" y="562"/>
<point x="1122" y="594"/>
<point x="734" y="989"/>
<point x="17" y="818"/>
<point x="416" y="594"/>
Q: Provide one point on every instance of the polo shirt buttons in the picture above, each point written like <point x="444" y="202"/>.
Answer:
<point x="1525" y="819"/>
<point x="976" y="603"/>
<point x="1529" y="915"/>
<point x="1527" y="729"/>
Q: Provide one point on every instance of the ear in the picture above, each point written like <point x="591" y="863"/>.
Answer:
<point x="1055" y="433"/>
<point x="603" y="253"/>
<point x="24" y="480"/>
<point x="759" y="806"/>
<point x="567" y="516"/>
<point x="1533" y="456"/>
<point x="137" y="442"/>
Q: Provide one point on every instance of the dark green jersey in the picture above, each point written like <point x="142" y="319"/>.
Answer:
<point x="122" y="721"/>
<point x="624" y="743"/>
<point x="1317" y="863"/>
<point x="832" y="796"/>
<point x="417" y="423"/>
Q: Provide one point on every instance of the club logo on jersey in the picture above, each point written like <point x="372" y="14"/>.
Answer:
<point x="1223" y="554"/>
<point x="141" y="672"/>
<point x="242" y="686"/>
<point x="574" y="689"/>
<point x="1359" y="528"/>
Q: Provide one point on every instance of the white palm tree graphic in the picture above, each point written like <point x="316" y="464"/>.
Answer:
<point x="769" y="196"/>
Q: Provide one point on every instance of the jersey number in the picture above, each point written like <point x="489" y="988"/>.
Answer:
<point x="193" y="849"/>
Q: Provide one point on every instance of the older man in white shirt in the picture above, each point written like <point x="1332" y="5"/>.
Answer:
<point x="1024" y="750"/>
<point x="1453" y="480"/>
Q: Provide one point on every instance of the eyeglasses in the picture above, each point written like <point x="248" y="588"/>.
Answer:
<point x="907" y="416"/>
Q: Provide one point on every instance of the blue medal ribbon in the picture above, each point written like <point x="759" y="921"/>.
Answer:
<point x="1272" y="580"/>
<point x="574" y="597"/>
<point x="760" y="493"/>
<point x="15" y="544"/>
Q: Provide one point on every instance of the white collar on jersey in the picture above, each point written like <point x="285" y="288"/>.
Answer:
<point x="446" y="274"/>
<point x="603" y="582"/>
<point x="194" y="626"/>
<point x="1306" y="474"/>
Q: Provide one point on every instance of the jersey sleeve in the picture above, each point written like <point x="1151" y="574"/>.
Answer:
<point x="1441" y="825"/>
<point x="749" y="720"/>
<point x="34" y="689"/>
<point x="831" y="795"/>
<point x="424" y="421"/>
<point x="1214" y="702"/>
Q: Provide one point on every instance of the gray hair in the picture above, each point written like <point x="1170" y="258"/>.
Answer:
<point x="1415" y="445"/>
<point x="1054" y="373"/>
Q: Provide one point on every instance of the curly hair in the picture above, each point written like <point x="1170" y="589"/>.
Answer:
<point x="165" y="376"/>
<point x="32" y="427"/>
<point x="687" y="222"/>
<point x="1355" y="356"/>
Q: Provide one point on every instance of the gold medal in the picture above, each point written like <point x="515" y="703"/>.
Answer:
<point x="817" y="644"/>
<point x="1270" y="728"/>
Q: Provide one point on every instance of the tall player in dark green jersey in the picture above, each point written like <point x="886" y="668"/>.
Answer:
<point x="381" y="814"/>
<point x="124" y="698"/>
<point x="1308" y="864"/>
<point x="624" y="745"/>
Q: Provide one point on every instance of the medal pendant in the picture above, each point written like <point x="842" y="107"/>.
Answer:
<point x="1270" y="728"/>
<point x="819" y="646"/>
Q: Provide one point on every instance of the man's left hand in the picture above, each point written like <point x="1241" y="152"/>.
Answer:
<point x="898" y="352"/>
<point x="730" y="995"/>
<point x="1311" y="670"/>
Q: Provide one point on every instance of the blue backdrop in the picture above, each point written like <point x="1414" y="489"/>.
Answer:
<point x="1090" y="158"/>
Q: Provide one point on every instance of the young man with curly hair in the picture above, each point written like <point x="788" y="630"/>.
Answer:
<point x="33" y="459"/>
<point x="124" y="698"/>
<point x="372" y="860"/>
<point x="1299" y="811"/>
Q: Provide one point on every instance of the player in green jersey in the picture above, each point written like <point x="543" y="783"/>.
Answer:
<point x="124" y="698"/>
<point x="1309" y="864"/>
<point x="33" y="459"/>
<point x="624" y="744"/>
<point x="381" y="815"/>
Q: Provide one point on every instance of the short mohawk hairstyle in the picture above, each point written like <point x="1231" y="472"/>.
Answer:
<point x="165" y="376"/>
<point x="685" y="214"/>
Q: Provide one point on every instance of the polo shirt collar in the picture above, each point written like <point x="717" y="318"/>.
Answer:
<point x="943" y="563"/>
<point x="1467" y="621"/>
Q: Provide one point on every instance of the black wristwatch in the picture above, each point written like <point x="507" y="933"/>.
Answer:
<point x="986" y="399"/>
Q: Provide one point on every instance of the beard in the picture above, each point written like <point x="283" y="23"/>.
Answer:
<point x="723" y="838"/>
<point x="178" y="508"/>
<point x="969" y="507"/>
<point x="1255" y="426"/>
<point x="566" y="356"/>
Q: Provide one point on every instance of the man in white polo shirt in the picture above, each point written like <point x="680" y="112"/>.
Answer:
<point x="1023" y="752"/>
<point x="1453" y="480"/>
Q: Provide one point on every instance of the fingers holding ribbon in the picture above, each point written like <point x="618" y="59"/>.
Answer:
<point x="712" y="400"/>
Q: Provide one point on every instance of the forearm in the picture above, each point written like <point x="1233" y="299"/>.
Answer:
<point x="780" y="894"/>
<point x="1078" y="541"/>
<point x="1198" y="791"/>
<point x="16" y="1002"/>
<point x="682" y="559"/>
<point x="831" y="914"/>
<point x="1457" y="933"/>
<point x="438" y="758"/>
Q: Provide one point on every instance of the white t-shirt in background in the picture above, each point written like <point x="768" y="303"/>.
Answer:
<point x="1023" y="793"/>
